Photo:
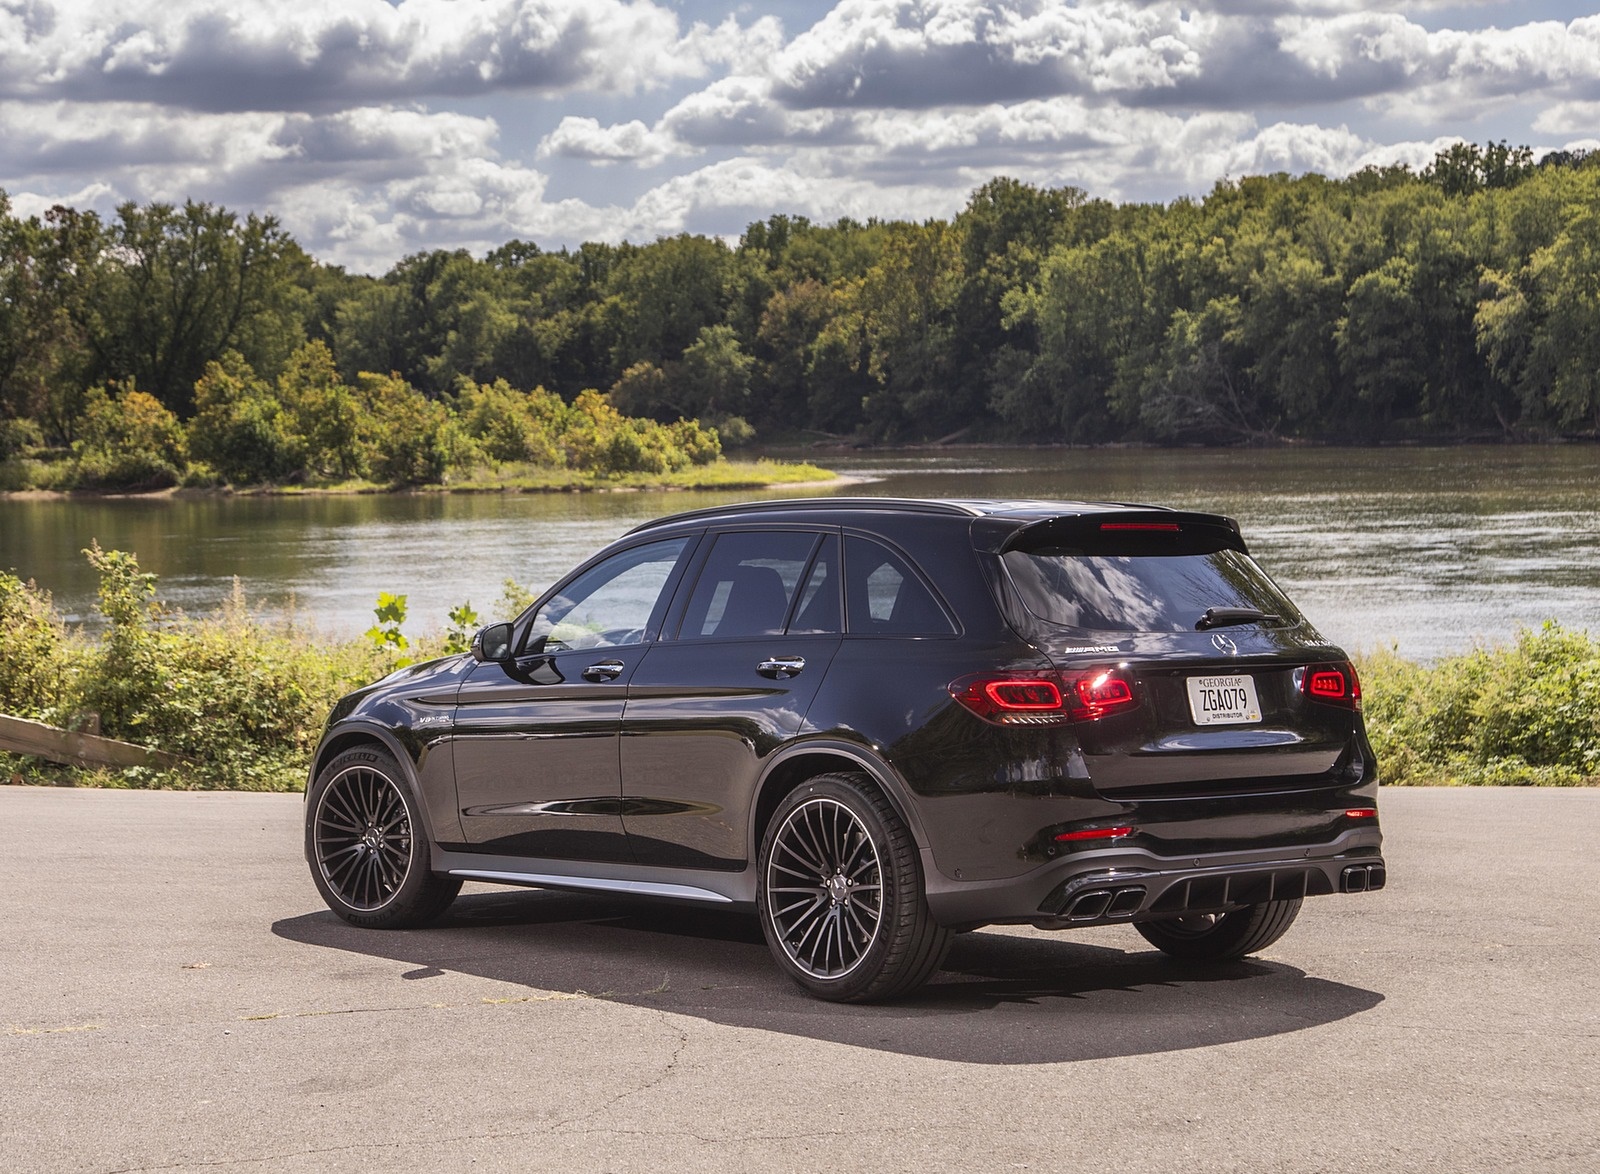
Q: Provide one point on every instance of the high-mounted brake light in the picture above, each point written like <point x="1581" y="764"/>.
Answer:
<point x="1336" y="684"/>
<point x="1096" y="834"/>
<point x="1165" y="527"/>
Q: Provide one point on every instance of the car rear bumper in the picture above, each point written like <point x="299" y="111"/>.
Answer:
<point x="1115" y="885"/>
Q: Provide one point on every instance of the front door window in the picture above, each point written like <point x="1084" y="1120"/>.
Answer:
<point x="608" y="606"/>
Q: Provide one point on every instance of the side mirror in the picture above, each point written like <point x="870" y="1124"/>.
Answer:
<point x="492" y="643"/>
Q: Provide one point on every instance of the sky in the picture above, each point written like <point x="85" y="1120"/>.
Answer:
<point x="374" y="129"/>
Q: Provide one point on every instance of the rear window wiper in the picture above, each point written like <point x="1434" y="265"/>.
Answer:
<point x="1223" y="617"/>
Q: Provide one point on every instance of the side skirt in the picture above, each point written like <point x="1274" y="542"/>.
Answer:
<point x="681" y="884"/>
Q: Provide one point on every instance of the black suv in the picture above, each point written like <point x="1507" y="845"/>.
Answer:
<point x="878" y="723"/>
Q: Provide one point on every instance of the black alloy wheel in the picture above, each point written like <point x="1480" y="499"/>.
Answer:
<point x="841" y="897"/>
<point x="369" y="854"/>
<point x="1221" y="937"/>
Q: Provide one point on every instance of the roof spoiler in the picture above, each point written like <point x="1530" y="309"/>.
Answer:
<point x="1128" y="532"/>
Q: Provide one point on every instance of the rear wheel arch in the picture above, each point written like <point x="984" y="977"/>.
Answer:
<point x="795" y="766"/>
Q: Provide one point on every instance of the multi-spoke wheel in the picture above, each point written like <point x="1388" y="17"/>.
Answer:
<point x="1221" y="937"/>
<point x="368" y="852"/>
<point x="840" y="893"/>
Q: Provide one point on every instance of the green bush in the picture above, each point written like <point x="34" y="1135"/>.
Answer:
<point x="240" y="428"/>
<point x="1525" y="714"/>
<point x="35" y="668"/>
<point x="416" y="440"/>
<point x="244" y="701"/>
<point x="17" y="437"/>
<point x="600" y="439"/>
<point x="510" y="425"/>
<point x="127" y="440"/>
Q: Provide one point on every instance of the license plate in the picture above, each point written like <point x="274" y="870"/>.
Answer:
<point x="1223" y="701"/>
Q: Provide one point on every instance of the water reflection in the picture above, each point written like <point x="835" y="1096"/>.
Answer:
<point x="1430" y="548"/>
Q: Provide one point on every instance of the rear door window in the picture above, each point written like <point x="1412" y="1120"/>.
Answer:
<point x="1140" y="593"/>
<point x="747" y="584"/>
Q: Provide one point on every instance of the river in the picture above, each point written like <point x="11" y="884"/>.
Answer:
<point x="1431" y="549"/>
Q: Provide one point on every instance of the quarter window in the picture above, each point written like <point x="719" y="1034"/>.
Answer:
<point x="885" y="596"/>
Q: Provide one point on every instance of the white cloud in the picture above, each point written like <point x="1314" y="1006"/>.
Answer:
<point x="925" y="53"/>
<point x="366" y="125"/>
<point x="585" y="138"/>
<point x="1568" y="118"/>
<point x="220" y="55"/>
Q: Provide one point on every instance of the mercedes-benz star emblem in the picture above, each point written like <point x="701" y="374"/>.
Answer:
<point x="1222" y="644"/>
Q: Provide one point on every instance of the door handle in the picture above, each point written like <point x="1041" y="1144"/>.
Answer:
<point x="605" y="670"/>
<point x="781" y="667"/>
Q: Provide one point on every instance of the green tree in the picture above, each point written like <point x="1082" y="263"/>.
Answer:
<point x="187" y="284"/>
<point x="240" y="427"/>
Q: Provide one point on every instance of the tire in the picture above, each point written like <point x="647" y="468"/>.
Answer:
<point x="840" y="894"/>
<point x="367" y="847"/>
<point x="1207" y="937"/>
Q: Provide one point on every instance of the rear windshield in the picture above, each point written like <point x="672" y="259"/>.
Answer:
<point x="1141" y="593"/>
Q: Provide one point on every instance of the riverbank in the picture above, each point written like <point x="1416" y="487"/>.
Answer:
<point x="727" y="475"/>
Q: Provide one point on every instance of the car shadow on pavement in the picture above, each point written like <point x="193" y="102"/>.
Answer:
<point x="1043" y="1000"/>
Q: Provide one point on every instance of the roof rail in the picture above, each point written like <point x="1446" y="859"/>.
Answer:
<point x="919" y="505"/>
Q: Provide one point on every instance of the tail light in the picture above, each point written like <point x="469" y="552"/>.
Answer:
<point x="1046" y="698"/>
<point x="1334" y="684"/>
<point x="1100" y="692"/>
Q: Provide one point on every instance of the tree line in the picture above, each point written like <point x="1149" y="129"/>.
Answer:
<point x="1459" y="300"/>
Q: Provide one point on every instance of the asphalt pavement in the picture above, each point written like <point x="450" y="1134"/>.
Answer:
<point x="176" y="996"/>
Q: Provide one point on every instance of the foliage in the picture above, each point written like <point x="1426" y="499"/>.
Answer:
<point x="391" y="613"/>
<point x="1459" y="300"/>
<point x="127" y="440"/>
<point x="1519" y="715"/>
<point x="514" y="600"/>
<point x="464" y="622"/>
<point x="33" y="658"/>
<point x="242" y="701"/>
<point x="240" y="427"/>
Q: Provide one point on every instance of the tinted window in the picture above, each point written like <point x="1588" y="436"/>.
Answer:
<point x="609" y="604"/>
<point x="1134" y="593"/>
<point x="886" y="597"/>
<point x="817" y="612"/>
<point x="747" y="584"/>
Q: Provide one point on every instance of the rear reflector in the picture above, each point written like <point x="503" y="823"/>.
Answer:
<point x="1096" y="834"/>
<point x="1361" y="813"/>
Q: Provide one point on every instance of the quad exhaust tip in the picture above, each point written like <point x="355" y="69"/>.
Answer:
<point x="1363" y="878"/>
<point x="1098" y="903"/>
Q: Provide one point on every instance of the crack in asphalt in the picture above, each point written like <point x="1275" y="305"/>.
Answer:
<point x="563" y="1126"/>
